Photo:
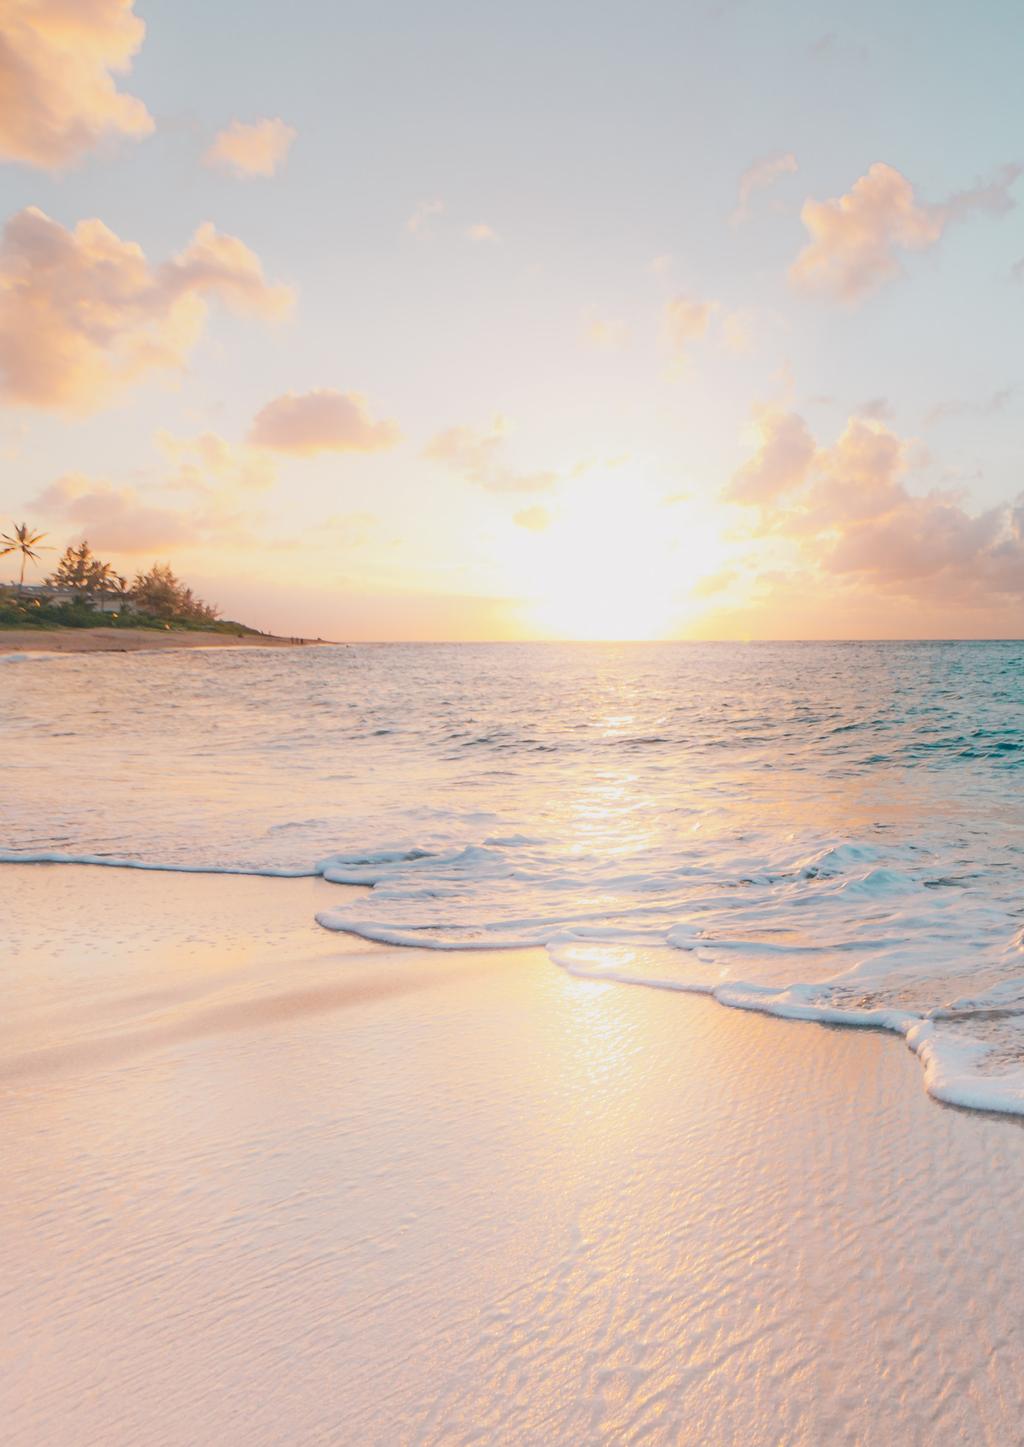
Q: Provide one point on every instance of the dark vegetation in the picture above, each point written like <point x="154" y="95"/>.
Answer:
<point x="85" y="592"/>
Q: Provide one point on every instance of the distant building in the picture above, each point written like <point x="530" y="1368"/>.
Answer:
<point x="100" y="603"/>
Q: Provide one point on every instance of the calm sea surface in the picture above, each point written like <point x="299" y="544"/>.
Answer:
<point x="833" y="831"/>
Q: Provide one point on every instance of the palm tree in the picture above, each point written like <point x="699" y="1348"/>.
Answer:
<point x="24" y="542"/>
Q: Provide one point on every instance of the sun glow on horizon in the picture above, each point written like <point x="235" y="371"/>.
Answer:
<point x="618" y="562"/>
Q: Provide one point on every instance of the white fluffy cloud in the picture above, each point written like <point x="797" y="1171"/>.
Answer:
<point x="251" y="150"/>
<point x="58" y="95"/>
<point x="321" y="421"/>
<point x="84" y="314"/>
<point x="857" y="239"/>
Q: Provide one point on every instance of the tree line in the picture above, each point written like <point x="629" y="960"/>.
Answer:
<point x="157" y="592"/>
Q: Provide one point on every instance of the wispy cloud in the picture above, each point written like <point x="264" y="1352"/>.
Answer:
<point x="604" y="333"/>
<point x="758" y="176"/>
<point x="533" y="519"/>
<point x="686" y="321"/>
<point x="990" y="406"/>
<point x="423" y="214"/>
<point x="478" y="455"/>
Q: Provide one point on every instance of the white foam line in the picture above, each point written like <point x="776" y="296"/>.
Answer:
<point x="945" y="1057"/>
<point x="49" y="856"/>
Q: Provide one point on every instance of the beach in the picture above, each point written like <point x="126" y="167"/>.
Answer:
<point x="264" y="1183"/>
<point x="130" y="640"/>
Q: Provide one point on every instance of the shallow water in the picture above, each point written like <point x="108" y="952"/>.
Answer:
<point x="831" y="831"/>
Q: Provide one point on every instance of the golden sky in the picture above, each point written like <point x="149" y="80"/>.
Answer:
<point x="457" y="321"/>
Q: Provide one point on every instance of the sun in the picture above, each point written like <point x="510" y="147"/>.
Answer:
<point x="617" y="563"/>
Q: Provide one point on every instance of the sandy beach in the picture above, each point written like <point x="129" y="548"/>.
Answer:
<point x="130" y="640"/>
<point x="266" y="1184"/>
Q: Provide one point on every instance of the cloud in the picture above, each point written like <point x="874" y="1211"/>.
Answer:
<point x="533" y="519"/>
<point x="481" y="232"/>
<point x="879" y="409"/>
<point x="210" y="467"/>
<point x="856" y="239"/>
<point x="321" y="421"/>
<point x="209" y="496"/>
<point x="604" y="333"/>
<point x="251" y="150"/>
<point x="115" y="519"/>
<point x="478" y="456"/>
<point x="423" y="214"/>
<point x="714" y="583"/>
<point x="849" y="511"/>
<point x="991" y="406"/>
<point x="758" y="177"/>
<point x="83" y="314"/>
<point x="58" y="96"/>
<point x="785" y="453"/>
<point x="686" y="321"/>
<point x="738" y="332"/>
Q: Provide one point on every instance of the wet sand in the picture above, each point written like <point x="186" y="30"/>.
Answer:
<point x="264" y="1184"/>
<point x="129" y="640"/>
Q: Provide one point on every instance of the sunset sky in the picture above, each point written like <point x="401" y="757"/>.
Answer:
<point x="536" y="320"/>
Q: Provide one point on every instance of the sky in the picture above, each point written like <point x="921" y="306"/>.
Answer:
<point x="463" y="321"/>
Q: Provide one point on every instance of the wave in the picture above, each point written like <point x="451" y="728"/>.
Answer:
<point x="983" y="1070"/>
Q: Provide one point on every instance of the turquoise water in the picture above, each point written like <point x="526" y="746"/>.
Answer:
<point x="825" y="830"/>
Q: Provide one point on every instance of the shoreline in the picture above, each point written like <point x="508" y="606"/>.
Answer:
<point x="543" y="1205"/>
<point x="137" y="640"/>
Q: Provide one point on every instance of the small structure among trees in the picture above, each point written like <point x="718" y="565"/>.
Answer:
<point x="83" y="589"/>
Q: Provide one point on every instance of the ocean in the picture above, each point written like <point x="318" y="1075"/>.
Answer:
<point x="824" y="831"/>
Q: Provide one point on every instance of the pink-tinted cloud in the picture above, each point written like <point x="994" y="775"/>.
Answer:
<point x="83" y="314"/>
<point x="853" y="518"/>
<point x="256" y="149"/>
<point x="762" y="174"/>
<point x="857" y="240"/>
<point x="321" y="421"/>
<point x="58" y="95"/>
<point x="115" y="519"/>
<point x="784" y="454"/>
<point x="479" y="457"/>
<point x="480" y="231"/>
